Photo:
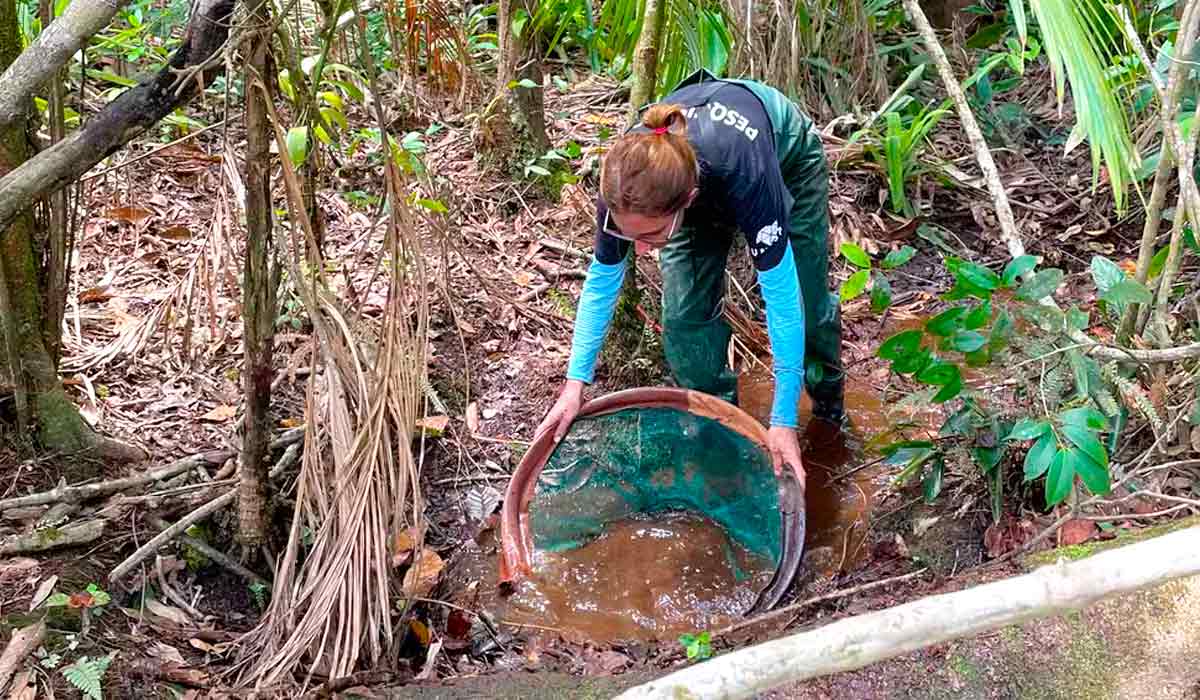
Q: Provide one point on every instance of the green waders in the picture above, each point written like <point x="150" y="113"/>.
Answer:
<point x="696" y="337"/>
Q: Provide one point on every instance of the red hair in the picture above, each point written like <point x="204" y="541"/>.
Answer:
<point x="653" y="173"/>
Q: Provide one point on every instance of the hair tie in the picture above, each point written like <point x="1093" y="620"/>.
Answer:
<point x="660" y="130"/>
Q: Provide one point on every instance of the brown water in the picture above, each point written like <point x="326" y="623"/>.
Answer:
<point x="643" y="579"/>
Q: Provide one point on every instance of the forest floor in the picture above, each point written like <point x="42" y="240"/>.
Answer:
<point x="153" y="355"/>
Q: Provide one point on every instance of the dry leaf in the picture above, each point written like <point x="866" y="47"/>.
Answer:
<point x="1076" y="532"/>
<point x="434" y="426"/>
<point x="220" y="414"/>
<point x="167" y="653"/>
<point x="168" y="612"/>
<point x="421" y="577"/>
<point x="522" y="278"/>
<point x="132" y="215"/>
<point x="96" y="295"/>
<point x="24" y="687"/>
<point x="202" y="645"/>
<point x="176" y="232"/>
<point x="291" y="422"/>
<point x="473" y="418"/>
<point x="403" y="546"/>
<point x="43" y="592"/>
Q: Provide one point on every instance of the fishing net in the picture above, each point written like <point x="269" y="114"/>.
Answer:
<point x="650" y="460"/>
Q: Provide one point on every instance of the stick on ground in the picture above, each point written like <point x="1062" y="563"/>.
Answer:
<point x="23" y="642"/>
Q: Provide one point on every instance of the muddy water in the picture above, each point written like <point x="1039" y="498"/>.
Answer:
<point x="837" y="510"/>
<point x="643" y="579"/>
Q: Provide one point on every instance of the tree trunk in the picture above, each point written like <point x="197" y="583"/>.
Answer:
<point x="519" y="60"/>
<point x="259" y="286"/>
<point x="645" y="57"/>
<point x="57" y="265"/>
<point x="136" y="110"/>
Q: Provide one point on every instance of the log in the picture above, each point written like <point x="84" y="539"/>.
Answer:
<point x="23" y="642"/>
<point x="53" y="538"/>
<point x="859" y="641"/>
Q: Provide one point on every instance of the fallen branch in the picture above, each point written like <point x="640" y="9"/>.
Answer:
<point x="22" y="644"/>
<point x="53" y="538"/>
<point x="288" y="458"/>
<point x="833" y="595"/>
<point x="76" y="494"/>
<point x="859" y="641"/>
<point x="213" y="554"/>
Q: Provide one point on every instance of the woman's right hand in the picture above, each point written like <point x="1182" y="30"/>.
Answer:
<point x="563" y="413"/>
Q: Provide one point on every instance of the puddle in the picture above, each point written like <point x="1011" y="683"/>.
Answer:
<point x="837" y="510"/>
<point x="643" y="579"/>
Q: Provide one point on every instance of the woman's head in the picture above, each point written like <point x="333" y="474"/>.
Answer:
<point x="649" y="178"/>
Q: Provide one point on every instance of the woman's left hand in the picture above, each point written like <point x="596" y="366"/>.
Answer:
<point x="785" y="449"/>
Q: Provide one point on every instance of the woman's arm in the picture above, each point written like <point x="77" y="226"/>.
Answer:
<point x="601" y="289"/>
<point x="785" y="328"/>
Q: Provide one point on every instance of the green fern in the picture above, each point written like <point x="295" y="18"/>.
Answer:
<point x="86" y="674"/>
<point x="1135" y="396"/>
<point x="1054" y="385"/>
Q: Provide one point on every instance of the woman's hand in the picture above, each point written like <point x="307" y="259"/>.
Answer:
<point x="564" y="410"/>
<point x="785" y="449"/>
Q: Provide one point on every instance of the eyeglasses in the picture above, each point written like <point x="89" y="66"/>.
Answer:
<point x="658" y="237"/>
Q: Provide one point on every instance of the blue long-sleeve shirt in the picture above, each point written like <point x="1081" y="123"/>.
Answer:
<point x="741" y="184"/>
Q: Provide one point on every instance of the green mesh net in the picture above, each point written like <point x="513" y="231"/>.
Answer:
<point x="654" y="460"/>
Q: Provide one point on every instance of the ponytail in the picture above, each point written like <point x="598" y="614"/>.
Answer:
<point x="651" y="173"/>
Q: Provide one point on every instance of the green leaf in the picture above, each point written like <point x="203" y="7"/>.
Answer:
<point x="1080" y="371"/>
<point x="931" y="485"/>
<point x="988" y="35"/>
<point x="900" y="345"/>
<point x="99" y="595"/>
<point x="951" y="389"/>
<point x="1059" y="478"/>
<point x="1087" y="441"/>
<point x="881" y="294"/>
<point x="1041" y="285"/>
<point x="1158" y="262"/>
<point x="856" y="255"/>
<point x="58" y="600"/>
<point x="537" y="170"/>
<point x="978" y="275"/>
<point x="1038" y="459"/>
<point x="297" y="145"/>
<point x="915" y="362"/>
<point x="86" y="674"/>
<point x="854" y="286"/>
<point x="939" y="373"/>
<point x="1094" y="476"/>
<point x="1001" y="331"/>
<point x="979" y="316"/>
<point x="979" y="358"/>
<point x="1028" y="429"/>
<point x="967" y="341"/>
<point x="988" y="457"/>
<point x="1078" y="319"/>
<point x="1127" y="291"/>
<point x="896" y="258"/>
<point x="433" y="205"/>
<point x="946" y="322"/>
<point x="1105" y="273"/>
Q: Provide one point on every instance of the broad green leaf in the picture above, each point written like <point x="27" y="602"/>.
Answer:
<point x="1001" y="331"/>
<point x="1084" y="417"/>
<point x="915" y="362"/>
<point x="854" y="285"/>
<point x="537" y="170"/>
<point x="988" y="35"/>
<point x="967" y="341"/>
<point x="1041" y="285"/>
<point x="946" y="322"/>
<point x="979" y="316"/>
<point x="1127" y="291"/>
<point x="979" y="358"/>
<point x="949" y="390"/>
<point x="1038" y="459"/>
<point x="988" y="457"/>
<point x="1059" y="478"/>
<point x="1105" y="273"/>
<point x="1027" y="429"/>
<point x="526" y="83"/>
<point x="899" y="345"/>
<point x="856" y="255"/>
<point x="963" y="289"/>
<point x="881" y="294"/>
<point x="1095" y="477"/>
<point x="896" y="258"/>
<point x="433" y="205"/>
<point x="978" y="275"/>
<point x="1048" y="318"/>
<point x="931" y="485"/>
<point x="1087" y="441"/>
<point x="1078" y="319"/>
<point x="939" y="373"/>
<point x="297" y="145"/>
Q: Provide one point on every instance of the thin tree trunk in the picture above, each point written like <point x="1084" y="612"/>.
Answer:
<point x="645" y="56"/>
<point x="57" y="265"/>
<point x="519" y="60"/>
<point x="258" y="287"/>
<point x="506" y="66"/>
